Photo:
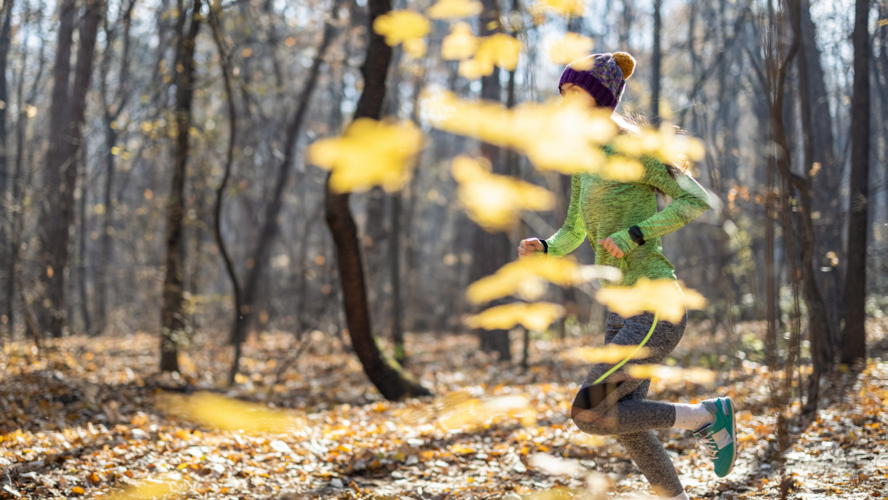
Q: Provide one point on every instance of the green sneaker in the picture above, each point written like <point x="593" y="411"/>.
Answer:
<point x="719" y="437"/>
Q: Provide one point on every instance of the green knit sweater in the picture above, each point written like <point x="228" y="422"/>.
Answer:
<point x="601" y="207"/>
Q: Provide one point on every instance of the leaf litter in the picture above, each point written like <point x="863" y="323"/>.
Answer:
<point x="90" y="418"/>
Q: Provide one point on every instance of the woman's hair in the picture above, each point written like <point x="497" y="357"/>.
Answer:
<point x="631" y="124"/>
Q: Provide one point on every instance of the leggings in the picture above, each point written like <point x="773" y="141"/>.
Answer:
<point x="618" y="406"/>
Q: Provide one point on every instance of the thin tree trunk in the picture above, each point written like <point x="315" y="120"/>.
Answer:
<point x="106" y="234"/>
<point x="269" y="231"/>
<point x="491" y="250"/>
<point x="225" y="68"/>
<point x="82" y="269"/>
<point x="656" y="57"/>
<point x="53" y="231"/>
<point x="6" y="250"/>
<point x="392" y="382"/>
<point x="173" y="330"/>
<point x="395" y="268"/>
<point x="854" y="335"/>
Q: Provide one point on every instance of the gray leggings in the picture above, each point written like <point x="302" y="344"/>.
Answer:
<point x="619" y="405"/>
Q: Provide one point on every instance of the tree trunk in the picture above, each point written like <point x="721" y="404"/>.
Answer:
<point x="656" y="56"/>
<point x="827" y="182"/>
<point x="82" y="268"/>
<point x="6" y="250"/>
<point x="491" y="250"/>
<point x="386" y="375"/>
<point x="173" y="329"/>
<point x="395" y="268"/>
<point x="854" y="335"/>
<point x="52" y="228"/>
<point x="261" y="251"/>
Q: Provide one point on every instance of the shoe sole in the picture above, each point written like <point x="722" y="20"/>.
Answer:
<point x="733" y="436"/>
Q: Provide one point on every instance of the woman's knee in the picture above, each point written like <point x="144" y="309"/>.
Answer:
<point x="594" y="422"/>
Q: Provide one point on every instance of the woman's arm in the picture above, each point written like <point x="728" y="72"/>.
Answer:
<point x="689" y="201"/>
<point x="573" y="232"/>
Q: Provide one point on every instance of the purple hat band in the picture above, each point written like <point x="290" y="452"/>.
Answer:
<point x="604" y="80"/>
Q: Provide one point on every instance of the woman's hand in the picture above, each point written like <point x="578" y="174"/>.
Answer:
<point x="527" y="247"/>
<point x="611" y="246"/>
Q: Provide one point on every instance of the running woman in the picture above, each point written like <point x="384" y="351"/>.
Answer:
<point x="624" y="228"/>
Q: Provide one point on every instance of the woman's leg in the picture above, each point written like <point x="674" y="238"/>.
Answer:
<point x="620" y="407"/>
<point x="607" y="408"/>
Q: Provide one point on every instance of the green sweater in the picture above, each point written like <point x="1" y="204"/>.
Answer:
<point x="601" y="207"/>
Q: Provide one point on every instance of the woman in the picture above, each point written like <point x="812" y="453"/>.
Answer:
<point x="624" y="227"/>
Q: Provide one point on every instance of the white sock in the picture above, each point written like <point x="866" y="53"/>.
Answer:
<point x="691" y="417"/>
<point x="683" y="496"/>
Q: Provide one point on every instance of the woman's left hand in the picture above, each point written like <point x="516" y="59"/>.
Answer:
<point x="611" y="246"/>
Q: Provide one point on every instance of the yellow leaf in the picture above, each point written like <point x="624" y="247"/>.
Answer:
<point x="610" y="353"/>
<point x="571" y="48"/>
<point x="498" y="49"/>
<point x="473" y="412"/>
<point x="662" y="143"/>
<point x="369" y="153"/>
<point x="415" y="47"/>
<point x="663" y="296"/>
<point x="622" y="169"/>
<point x="459" y="449"/>
<point x="227" y="414"/>
<point x="525" y="277"/>
<point x="460" y="43"/>
<point x="492" y="200"/>
<point x="77" y="490"/>
<point x="162" y="486"/>
<point x="536" y="316"/>
<point x="454" y="9"/>
<point x="563" y="138"/>
<point x="401" y="25"/>
<point x="560" y="7"/>
<point x="671" y="373"/>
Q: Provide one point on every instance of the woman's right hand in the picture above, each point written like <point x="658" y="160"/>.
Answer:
<point x="527" y="247"/>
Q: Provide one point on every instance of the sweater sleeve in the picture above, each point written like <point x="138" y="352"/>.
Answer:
<point x="689" y="201"/>
<point x="573" y="232"/>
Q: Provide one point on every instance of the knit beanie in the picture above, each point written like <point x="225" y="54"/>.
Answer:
<point x="605" y="80"/>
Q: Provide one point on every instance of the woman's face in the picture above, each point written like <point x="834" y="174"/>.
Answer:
<point x="576" y="94"/>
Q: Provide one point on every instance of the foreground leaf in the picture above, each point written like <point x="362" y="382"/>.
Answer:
<point x="154" y="488"/>
<point x="228" y="414"/>
<point x="536" y="316"/>
<point x="494" y="201"/>
<point x="455" y="9"/>
<point x="369" y="153"/>
<point x="610" y="353"/>
<point x="671" y="373"/>
<point x="526" y="277"/>
<point x="399" y="26"/>
<point x="663" y="296"/>
<point x="573" y="47"/>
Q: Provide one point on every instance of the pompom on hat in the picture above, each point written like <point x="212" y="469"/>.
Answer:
<point x="605" y="80"/>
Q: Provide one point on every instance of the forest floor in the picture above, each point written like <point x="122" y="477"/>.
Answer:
<point x="89" y="417"/>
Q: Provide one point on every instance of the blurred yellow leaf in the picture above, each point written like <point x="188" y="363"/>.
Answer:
<point x="610" y="353"/>
<point x="416" y="47"/>
<point x="492" y="200"/>
<point x="662" y="143"/>
<point x="572" y="47"/>
<point x="78" y="490"/>
<point x="525" y="277"/>
<point x="460" y="43"/>
<point x="562" y="137"/>
<point x="475" y="412"/>
<point x="369" y="153"/>
<point x="156" y="487"/>
<point x="622" y="169"/>
<point x="590" y="440"/>
<point x="535" y="316"/>
<point x="228" y="414"/>
<point x="401" y="25"/>
<point x="498" y="49"/>
<point x="663" y="296"/>
<point x="671" y="373"/>
<point x="454" y="9"/>
<point x="560" y="7"/>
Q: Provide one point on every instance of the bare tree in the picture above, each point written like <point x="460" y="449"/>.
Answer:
<point x="60" y="175"/>
<point x="854" y="335"/>
<point x="173" y="328"/>
<point x="388" y="377"/>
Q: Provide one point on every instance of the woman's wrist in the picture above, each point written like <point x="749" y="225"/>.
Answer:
<point x="545" y="245"/>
